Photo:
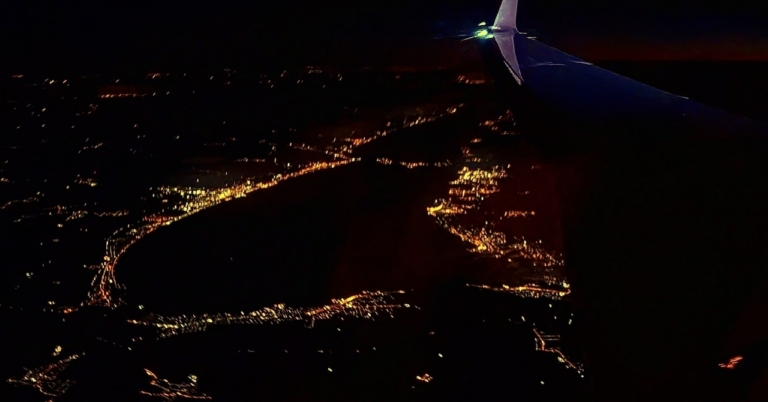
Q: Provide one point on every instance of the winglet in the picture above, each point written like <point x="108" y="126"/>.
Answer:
<point x="506" y="19"/>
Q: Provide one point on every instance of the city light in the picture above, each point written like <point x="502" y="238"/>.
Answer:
<point x="466" y="214"/>
<point x="731" y="363"/>
<point x="194" y="200"/>
<point x="46" y="378"/>
<point x="366" y="305"/>
<point x="119" y="222"/>
<point x="541" y="345"/>
<point x="171" y="391"/>
<point x="424" y="378"/>
<point x="528" y="291"/>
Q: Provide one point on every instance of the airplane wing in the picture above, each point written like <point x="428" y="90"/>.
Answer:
<point x="592" y="95"/>
<point x="664" y="214"/>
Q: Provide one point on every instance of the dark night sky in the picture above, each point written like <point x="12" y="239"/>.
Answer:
<point x="89" y="34"/>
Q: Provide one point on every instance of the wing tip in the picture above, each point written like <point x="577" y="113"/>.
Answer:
<point x="507" y="15"/>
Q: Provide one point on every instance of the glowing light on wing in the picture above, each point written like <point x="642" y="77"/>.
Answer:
<point x="483" y="34"/>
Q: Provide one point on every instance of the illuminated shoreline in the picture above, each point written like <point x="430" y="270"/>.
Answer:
<point x="366" y="305"/>
<point x="104" y="283"/>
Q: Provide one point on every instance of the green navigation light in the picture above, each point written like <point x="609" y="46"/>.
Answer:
<point x="483" y="34"/>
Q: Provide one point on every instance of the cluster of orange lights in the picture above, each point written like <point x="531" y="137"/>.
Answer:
<point x="465" y="196"/>
<point x="196" y="200"/>
<point x="107" y="96"/>
<point x="496" y="125"/>
<point x="170" y="391"/>
<point x="366" y="305"/>
<point x="413" y="165"/>
<point x="541" y="345"/>
<point x="529" y="291"/>
<point x="519" y="214"/>
<point x="424" y="378"/>
<point x="23" y="201"/>
<point x="46" y="378"/>
<point x="466" y="214"/>
<point x="731" y="364"/>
